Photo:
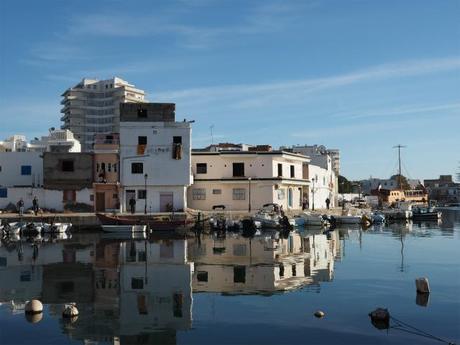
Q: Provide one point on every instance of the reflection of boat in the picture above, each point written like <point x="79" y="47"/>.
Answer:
<point x="139" y="220"/>
<point x="124" y="228"/>
<point x="57" y="227"/>
<point x="378" y="218"/>
<point x="348" y="219"/>
<point x="267" y="220"/>
<point x="425" y="213"/>
<point x="449" y="207"/>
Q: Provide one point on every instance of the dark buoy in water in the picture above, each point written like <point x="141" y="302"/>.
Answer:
<point x="319" y="314"/>
<point x="380" y="318"/>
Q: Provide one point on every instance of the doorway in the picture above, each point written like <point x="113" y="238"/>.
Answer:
<point x="129" y="194"/>
<point x="100" y="202"/>
<point x="166" y="202"/>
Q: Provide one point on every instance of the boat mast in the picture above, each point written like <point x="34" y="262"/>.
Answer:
<point x="399" y="147"/>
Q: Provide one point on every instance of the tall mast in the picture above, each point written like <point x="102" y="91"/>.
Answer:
<point x="399" y="147"/>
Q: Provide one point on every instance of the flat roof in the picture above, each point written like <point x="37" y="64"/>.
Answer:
<point x="197" y="152"/>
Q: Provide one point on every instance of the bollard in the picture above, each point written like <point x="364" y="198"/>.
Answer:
<point x="422" y="285"/>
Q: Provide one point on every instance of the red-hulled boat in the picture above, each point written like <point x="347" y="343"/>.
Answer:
<point x="152" y="222"/>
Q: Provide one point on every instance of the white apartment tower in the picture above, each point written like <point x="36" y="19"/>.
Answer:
<point x="93" y="106"/>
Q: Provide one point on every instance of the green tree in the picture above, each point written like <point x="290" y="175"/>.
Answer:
<point x="345" y="186"/>
<point x="404" y="184"/>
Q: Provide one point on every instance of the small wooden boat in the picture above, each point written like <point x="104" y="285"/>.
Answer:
<point x="153" y="223"/>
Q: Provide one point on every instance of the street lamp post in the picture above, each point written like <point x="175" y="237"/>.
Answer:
<point x="313" y="195"/>
<point x="145" y="204"/>
<point x="249" y="196"/>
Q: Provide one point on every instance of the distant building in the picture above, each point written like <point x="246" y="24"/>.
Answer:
<point x="154" y="157"/>
<point x="443" y="189"/>
<point x="243" y="179"/>
<point x="92" y="106"/>
<point x="15" y="143"/>
<point x="57" y="141"/>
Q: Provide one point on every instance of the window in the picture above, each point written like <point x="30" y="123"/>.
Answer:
<point x="0" y="168"/>
<point x="137" y="168"/>
<point x="238" y="169"/>
<point x="281" y="270"/>
<point x="202" y="276"/>
<point x="177" y="140"/>
<point x="201" y="168"/>
<point x="114" y="167"/>
<point x="97" y="167"/>
<point x="217" y="191"/>
<point x="142" y="113"/>
<point x="239" y="274"/>
<point x="280" y="170"/>
<point x="141" y="256"/>
<point x="239" y="194"/>
<point x="142" y="140"/>
<point x="109" y="167"/>
<point x="292" y="171"/>
<point x="115" y="196"/>
<point x="67" y="165"/>
<point x="26" y="170"/>
<point x="103" y="166"/>
<point x="294" y="270"/>
<point x="199" y="194"/>
<point x="137" y="283"/>
<point x="3" y="192"/>
<point x="91" y="197"/>
<point x="141" y="194"/>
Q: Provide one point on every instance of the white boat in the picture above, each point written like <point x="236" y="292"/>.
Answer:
<point x="312" y="219"/>
<point x="267" y="220"/>
<point x="449" y="207"/>
<point x="124" y="228"/>
<point x="13" y="228"/>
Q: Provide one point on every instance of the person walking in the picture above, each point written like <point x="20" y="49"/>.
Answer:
<point x="35" y="205"/>
<point x="132" y="204"/>
<point x="21" y="206"/>
<point x="328" y="202"/>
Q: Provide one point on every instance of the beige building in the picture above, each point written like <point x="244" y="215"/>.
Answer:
<point x="246" y="180"/>
<point x="93" y="106"/>
<point x="106" y="168"/>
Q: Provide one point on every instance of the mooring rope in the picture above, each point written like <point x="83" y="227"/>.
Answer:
<point x="400" y="326"/>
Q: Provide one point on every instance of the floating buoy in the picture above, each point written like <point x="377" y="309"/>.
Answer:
<point x="33" y="307"/>
<point x="319" y="313"/>
<point x="422" y="285"/>
<point x="34" y="318"/>
<point x="380" y="318"/>
<point x="70" y="311"/>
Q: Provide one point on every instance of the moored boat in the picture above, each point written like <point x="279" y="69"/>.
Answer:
<point x="425" y="213"/>
<point x="124" y="228"/>
<point x="154" y="224"/>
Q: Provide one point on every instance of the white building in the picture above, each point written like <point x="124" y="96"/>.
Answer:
<point x="21" y="169"/>
<point x="322" y="171"/>
<point x="92" y="106"/>
<point x="57" y="141"/>
<point x="154" y="157"/>
<point x="15" y="143"/>
<point x="246" y="180"/>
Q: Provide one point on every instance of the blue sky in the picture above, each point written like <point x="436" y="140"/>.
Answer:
<point x="361" y="76"/>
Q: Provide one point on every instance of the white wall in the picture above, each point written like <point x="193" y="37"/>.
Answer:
<point x="47" y="198"/>
<point x="322" y="187"/>
<point x="10" y="169"/>
<point x="165" y="174"/>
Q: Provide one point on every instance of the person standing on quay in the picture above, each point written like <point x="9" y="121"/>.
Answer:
<point x="21" y="206"/>
<point x="328" y="202"/>
<point x="132" y="204"/>
<point x="35" y="205"/>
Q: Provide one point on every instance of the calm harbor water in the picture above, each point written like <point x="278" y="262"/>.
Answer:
<point x="236" y="290"/>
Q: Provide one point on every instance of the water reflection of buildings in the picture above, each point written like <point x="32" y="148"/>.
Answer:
<point x="263" y="264"/>
<point x="133" y="292"/>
